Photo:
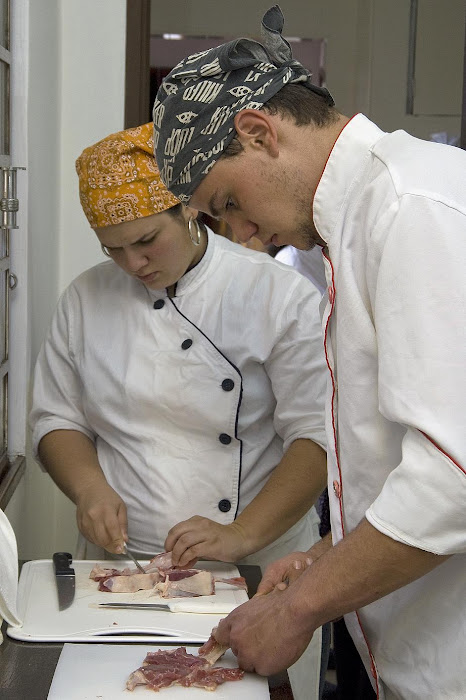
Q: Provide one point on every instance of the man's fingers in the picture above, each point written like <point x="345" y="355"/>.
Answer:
<point x="221" y="633"/>
<point x="264" y="587"/>
<point x="282" y="586"/>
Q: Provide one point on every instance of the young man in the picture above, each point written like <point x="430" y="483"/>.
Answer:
<point x="242" y="134"/>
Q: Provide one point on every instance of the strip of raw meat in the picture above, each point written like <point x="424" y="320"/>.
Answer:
<point x="186" y="583"/>
<point x="236" y="581"/>
<point x="99" y="572"/>
<point x="211" y="651"/>
<point x="210" y="678"/>
<point x="162" y="669"/>
<point x="161" y="562"/>
<point x="129" y="584"/>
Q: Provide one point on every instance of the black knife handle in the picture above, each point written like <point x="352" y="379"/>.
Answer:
<point x="61" y="562"/>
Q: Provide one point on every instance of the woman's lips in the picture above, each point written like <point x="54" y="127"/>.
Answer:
<point x="147" y="278"/>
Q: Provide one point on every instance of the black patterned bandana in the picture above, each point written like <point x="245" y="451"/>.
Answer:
<point x="198" y="100"/>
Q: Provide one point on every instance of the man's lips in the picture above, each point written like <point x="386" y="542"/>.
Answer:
<point x="271" y="241"/>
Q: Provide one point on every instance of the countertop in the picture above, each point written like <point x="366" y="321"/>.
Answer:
<point x="27" y="668"/>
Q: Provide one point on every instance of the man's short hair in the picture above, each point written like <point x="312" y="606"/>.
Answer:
<point x="302" y="105"/>
<point x="294" y="102"/>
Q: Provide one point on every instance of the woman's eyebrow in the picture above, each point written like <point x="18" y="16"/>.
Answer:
<point x="139" y="240"/>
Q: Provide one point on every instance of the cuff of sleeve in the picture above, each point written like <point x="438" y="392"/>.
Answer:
<point x="422" y="501"/>
<point x="317" y="436"/>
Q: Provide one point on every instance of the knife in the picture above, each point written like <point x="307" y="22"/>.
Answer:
<point x="133" y="559"/>
<point x="214" y="607"/>
<point x="64" y="576"/>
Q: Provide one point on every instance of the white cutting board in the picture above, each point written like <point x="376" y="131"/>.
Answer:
<point x="91" y="671"/>
<point x="84" y="621"/>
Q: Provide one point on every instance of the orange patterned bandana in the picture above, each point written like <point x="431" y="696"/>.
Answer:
<point x="119" y="179"/>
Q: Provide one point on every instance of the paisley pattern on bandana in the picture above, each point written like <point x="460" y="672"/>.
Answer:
<point x="119" y="179"/>
<point x="197" y="102"/>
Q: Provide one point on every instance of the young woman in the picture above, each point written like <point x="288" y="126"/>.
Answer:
<point x="167" y="410"/>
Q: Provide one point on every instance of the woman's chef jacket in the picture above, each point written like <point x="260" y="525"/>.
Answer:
<point x="191" y="400"/>
<point x="395" y="339"/>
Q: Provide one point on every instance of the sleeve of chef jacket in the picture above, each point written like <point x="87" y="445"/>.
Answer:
<point x="420" y="305"/>
<point x="296" y="366"/>
<point x="57" y="391"/>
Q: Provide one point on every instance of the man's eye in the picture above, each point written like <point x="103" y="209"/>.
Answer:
<point x="229" y="203"/>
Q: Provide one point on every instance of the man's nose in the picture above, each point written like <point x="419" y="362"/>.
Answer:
<point x="243" y="230"/>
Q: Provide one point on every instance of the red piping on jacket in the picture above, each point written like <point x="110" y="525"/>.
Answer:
<point x="443" y="452"/>
<point x="332" y="302"/>
<point x="340" y="499"/>
<point x="331" y="150"/>
<point x="374" y="673"/>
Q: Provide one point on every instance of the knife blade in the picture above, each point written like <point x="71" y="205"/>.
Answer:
<point x="214" y="607"/>
<point x="65" y="579"/>
<point x="133" y="559"/>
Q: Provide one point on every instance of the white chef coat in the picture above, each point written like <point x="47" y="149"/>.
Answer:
<point x="191" y="401"/>
<point x="308" y="262"/>
<point x="392" y="210"/>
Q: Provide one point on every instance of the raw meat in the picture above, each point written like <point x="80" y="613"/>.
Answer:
<point x="211" y="651"/>
<point x="186" y="583"/>
<point x="168" y="581"/>
<point x="99" y="573"/>
<point x="161" y="562"/>
<point x="162" y="669"/>
<point x="129" y="584"/>
<point x="237" y="582"/>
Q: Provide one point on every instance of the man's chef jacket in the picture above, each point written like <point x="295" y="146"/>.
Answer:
<point x="192" y="400"/>
<point x="392" y="210"/>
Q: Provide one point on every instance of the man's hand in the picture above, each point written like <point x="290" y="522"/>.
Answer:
<point x="279" y="574"/>
<point x="101" y="517"/>
<point x="266" y="634"/>
<point x="202" y="538"/>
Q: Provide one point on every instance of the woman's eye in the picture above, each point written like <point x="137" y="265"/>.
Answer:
<point x="229" y="203"/>
<point x="146" y="242"/>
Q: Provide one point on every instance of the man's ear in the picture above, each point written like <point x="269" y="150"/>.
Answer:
<point x="257" y="129"/>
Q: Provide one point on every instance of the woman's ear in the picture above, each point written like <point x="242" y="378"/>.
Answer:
<point x="257" y="129"/>
<point x="190" y="212"/>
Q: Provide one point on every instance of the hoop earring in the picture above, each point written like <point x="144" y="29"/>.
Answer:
<point x="196" y="238"/>
<point x="105" y="251"/>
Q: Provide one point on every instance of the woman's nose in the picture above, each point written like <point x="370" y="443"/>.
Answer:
<point x="134" y="259"/>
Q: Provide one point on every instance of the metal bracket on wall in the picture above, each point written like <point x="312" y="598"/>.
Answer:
<point x="9" y="203"/>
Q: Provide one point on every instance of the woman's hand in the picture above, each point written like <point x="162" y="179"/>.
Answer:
<point x="101" y="517"/>
<point x="202" y="538"/>
<point x="279" y="574"/>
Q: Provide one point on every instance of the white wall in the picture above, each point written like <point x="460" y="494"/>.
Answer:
<point x="76" y="97"/>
